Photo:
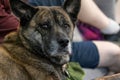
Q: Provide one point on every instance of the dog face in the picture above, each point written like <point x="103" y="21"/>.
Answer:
<point x="48" y="30"/>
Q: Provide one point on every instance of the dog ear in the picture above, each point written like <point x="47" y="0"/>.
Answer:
<point x="72" y="7"/>
<point x="22" y="10"/>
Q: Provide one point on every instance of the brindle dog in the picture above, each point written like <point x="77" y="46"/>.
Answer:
<point x="41" y="46"/>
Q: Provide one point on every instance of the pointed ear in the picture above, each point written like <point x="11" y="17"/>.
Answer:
<point x="22" y="10"/>
<point x="72" y="7"/>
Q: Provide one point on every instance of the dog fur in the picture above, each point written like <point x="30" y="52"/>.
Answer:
<point x="41" y="45"/>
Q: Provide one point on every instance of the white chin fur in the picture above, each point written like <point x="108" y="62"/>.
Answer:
<point x="70" y="48"/>
<point x="65" y="59"/>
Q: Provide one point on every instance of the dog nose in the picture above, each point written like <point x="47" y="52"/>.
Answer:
<point x="63" y="42"/>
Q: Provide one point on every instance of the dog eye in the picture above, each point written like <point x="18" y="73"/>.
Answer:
<point x="66" y="25"/>
<point x="45" y="26"/>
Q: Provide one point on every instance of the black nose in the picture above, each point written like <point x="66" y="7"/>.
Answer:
<point x="63" y="42"/>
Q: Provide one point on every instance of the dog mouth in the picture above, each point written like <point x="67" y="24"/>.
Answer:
<point x="60" y="58"/>
<point x="58" y="54"/>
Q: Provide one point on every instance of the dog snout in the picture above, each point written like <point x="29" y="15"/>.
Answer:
<point x="63" y="42"/>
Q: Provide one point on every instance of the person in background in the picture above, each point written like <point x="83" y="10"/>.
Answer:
<point x="8" y="22"/>
<point x="105" y="23"/>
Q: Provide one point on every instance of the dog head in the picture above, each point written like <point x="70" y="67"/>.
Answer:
<point x="47" y="30"/>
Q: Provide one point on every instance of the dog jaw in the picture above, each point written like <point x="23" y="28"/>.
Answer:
<point x="60" y="60"/>
<point x="57" y="54"/>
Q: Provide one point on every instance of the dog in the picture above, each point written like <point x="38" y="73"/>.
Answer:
<point x="42" y="44"/>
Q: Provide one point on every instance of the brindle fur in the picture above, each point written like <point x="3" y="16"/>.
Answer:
<point x="39" y="48"/>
